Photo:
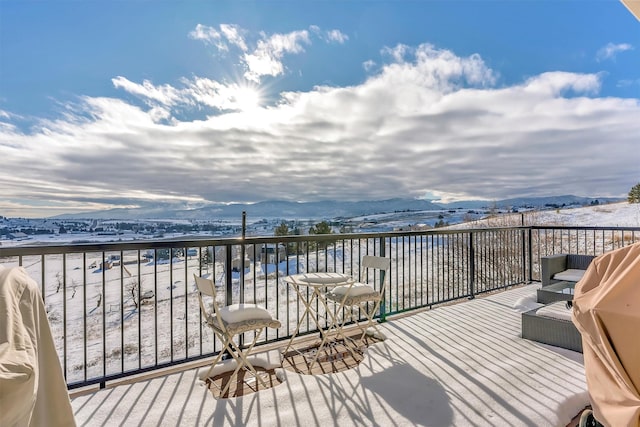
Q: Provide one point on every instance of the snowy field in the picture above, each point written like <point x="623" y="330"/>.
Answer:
<point x="611" y="215"/>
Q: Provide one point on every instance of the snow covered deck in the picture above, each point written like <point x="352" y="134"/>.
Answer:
<point x="457" y="365"/>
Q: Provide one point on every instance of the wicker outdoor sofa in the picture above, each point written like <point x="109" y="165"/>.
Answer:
<point x="551" y="324"/>
<point x="563" y="267"/>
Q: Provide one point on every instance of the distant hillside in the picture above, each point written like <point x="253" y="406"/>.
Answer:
<point x="267" y="209"/>
<point x="621" y="214"/>
<point x="327" y="209"/>
<point x="532" y="202"/>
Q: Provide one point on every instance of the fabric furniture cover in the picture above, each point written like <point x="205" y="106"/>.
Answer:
<point x="606" y="311"/>
<point x="33" y="391"/>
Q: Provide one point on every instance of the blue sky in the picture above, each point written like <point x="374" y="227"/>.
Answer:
<point x="122" y="104"/>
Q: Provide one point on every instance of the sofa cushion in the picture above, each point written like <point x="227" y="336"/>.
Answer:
<point x="570" y="275"/>
<point x="556" y="310"/>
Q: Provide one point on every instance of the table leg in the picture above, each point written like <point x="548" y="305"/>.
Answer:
<point x="334" y="323"/>
<point x="307" y="311"/>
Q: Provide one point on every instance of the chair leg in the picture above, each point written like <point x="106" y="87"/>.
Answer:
<point x="371" y="322"/>
<point x="242" y="362"/>
<point x="350" y="344"/>
<point x="207" y="377"/>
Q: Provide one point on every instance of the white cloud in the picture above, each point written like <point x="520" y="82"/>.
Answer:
<point x="228" y="34"/>
<point x="437" y="69"/>
<point x="207" y="92"/>
<point x="159" y="114"/>
<point x="209" y="35"/>
<point x="196" y="93"/>
<point x="266" y="59"/>
<point x="428" y="121"/>
<point x="233" y="34"/>
<point x="334" y="35"/>
<point x="556" y="83"/>
<point x="628" y="83"/>
<point x="611" y="50"/>
<point x="265" y="56"/>
<point x="337" y="36"/>
<point x="368" y="65"/>
<point x="397" y="53"/>
<point x="164" y="94"/>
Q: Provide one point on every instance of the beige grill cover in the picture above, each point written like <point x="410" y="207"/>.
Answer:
<point x="33" y="391"/>
<point x="606" y="311"/>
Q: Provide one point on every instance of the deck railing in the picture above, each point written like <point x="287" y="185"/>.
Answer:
<point x="120" y="309"/>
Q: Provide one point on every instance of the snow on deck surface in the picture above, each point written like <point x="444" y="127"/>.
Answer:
<point x="458" y="365"/>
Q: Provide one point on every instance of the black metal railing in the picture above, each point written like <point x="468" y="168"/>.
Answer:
<point x="119" y="309"/>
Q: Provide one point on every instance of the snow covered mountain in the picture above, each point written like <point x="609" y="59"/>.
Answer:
<point x="327" y="209"/>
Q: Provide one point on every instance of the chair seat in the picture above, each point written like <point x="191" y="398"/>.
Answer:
<point x="240" y="318"/>
<point x="357" y="293"/>
<point x="570" y="275"/>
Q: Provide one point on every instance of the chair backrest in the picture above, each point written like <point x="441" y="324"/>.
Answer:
<point x="207" y="287"/>
<point x="377" y="263"/>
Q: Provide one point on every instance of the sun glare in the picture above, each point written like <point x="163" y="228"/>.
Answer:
<point x="246" y="98"/>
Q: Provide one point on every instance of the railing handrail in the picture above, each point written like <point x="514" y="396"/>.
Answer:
<point x="197" y="241"/>
<point x="582" y="227"/>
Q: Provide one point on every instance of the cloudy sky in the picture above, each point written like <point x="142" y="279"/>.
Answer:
<point x="121" y="104"/>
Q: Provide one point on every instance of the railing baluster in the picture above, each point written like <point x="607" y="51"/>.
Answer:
<point x="472" y="266"/>
<point x="65" y="355"/>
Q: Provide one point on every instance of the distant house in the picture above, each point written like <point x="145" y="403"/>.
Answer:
<point x="237" y="264"/>
<point x="192" y="252"/>
<point x="272" y="253"/>
<point x="17" y="235"/>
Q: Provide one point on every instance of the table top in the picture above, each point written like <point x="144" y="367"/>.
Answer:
<point x="319" y="279"/>
<point x="563" y="287"/>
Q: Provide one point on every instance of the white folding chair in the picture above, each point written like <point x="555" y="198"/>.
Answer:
<point x="363" y="295"/>
<point x="231" y="320"/>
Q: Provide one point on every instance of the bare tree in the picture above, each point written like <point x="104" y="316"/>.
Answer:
<point x="133" y="289"/>
<point x="59" y="279"/>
